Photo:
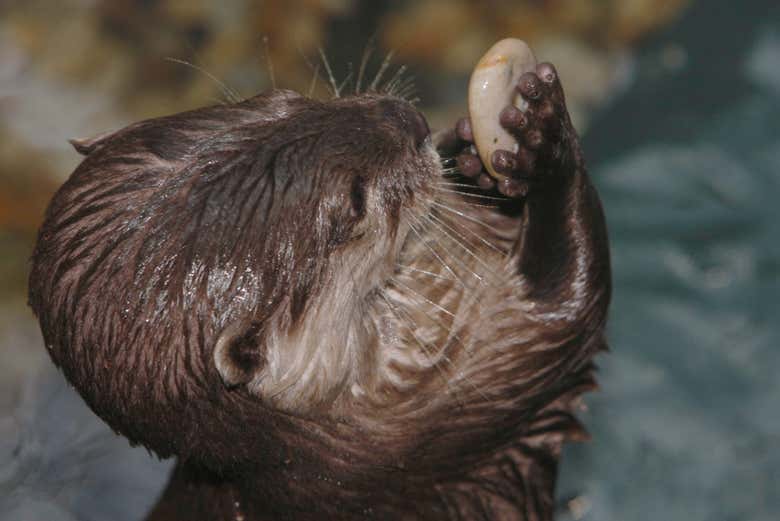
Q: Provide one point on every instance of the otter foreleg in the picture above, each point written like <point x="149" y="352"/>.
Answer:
<point x="561" y="252"/>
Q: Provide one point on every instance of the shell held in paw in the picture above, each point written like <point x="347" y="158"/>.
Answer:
<point x="491" y="89"/>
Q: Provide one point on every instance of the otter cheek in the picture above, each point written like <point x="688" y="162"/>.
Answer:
<point x="237" y="354"/>
<point x="491" y="88"/>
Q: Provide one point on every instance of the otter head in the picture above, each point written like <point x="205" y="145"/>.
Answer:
<point x="216" y="263"/>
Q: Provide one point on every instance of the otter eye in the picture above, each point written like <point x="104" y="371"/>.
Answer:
<point x="358" y="197"/>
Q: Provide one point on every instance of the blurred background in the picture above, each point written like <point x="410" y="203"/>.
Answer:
<point x="678" y="102"/>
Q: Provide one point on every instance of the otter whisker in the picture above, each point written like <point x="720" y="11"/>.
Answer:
<point x="392" y="85"/>
<point x="406" y="89"/>
<point x="468" y="191"/>
<point x="313" y="67"/>
<point x="456" y="238"/>
<point x="462" y="185"/>
<point x="440" y="225"/>
<point x="464" y="204"/>
<point x="472" y="232"/>
<point x="463" y="215"/>
<point x="457" y="230"/>
<point x="406" y="83"/>
<point x="231" y="95"/>
<point x="423" y="297"/>
<point x="399" y="87"/>
<point x="468" y="194"/>
<point x="268" y="62"/>
<point x="346" y="80"/>
<point x="331" y="78"/>
<point x="434" y="363"/>
<point x="461" y="203"/>
<point x="382" y="69"/>
<point x="475" y="196"/>
<point x="394" y="294"/>
<point x="450" y="330"/>
<point x="436" y="255"/>
<point x="441" y="350"/>
<point x="314" y="78"/>
<point x="367" y="52"/>
<point x="456" y="259"/>
<point x="464" y="201"/>
<point x="424" y="272"/>
<point x="460" y="262"/>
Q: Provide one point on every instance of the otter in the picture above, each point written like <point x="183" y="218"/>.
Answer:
<point x="325" y="311"/>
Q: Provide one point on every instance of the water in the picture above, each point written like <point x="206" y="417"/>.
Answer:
<point x="687" y="425"/>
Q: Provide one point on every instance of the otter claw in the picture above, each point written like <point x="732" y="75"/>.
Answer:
<point x="469" y="164"/>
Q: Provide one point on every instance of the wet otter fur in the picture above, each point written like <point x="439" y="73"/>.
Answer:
<point x="318" y="319"/>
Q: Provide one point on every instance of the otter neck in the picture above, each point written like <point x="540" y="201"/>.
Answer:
<point x="310" y="492"/>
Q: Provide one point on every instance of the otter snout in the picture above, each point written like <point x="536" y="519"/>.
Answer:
<point x="419" y="128"/>
<point x="407" y="118"/>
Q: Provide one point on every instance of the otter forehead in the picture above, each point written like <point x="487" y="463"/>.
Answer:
<point x="275" y="165"/>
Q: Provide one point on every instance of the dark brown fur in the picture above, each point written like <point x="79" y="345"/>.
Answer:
<point x="226" y="225"/>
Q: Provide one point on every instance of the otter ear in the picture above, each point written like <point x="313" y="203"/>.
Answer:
<point x="85" y="146"/>
<point x="237" y="354"/>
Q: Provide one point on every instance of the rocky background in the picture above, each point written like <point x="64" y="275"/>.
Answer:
<point x="679" y="105"/>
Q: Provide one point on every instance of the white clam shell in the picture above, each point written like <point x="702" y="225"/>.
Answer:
<point x="491" y="88"/>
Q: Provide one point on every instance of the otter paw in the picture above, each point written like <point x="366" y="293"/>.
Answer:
<point x="468" y="160"/>
<point x="545" y="137"/>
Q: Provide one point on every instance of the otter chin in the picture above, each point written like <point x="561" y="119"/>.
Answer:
<point x="325" y="312"/>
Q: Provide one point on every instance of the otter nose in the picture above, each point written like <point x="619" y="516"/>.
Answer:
<point x="420" y="128"/>
<point x="411" y="120"/>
